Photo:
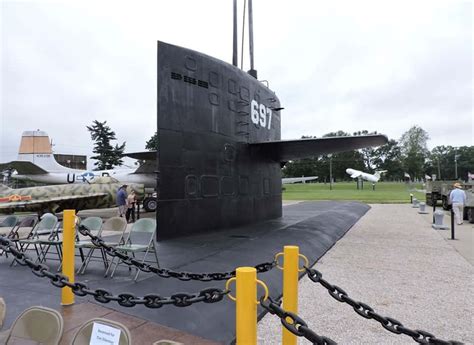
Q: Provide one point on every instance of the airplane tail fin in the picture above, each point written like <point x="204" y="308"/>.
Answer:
<point x="379" y="173"/>
<point x="35" y="147"/>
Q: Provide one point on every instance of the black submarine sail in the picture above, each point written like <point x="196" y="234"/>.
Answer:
<point x="220" y="150"/>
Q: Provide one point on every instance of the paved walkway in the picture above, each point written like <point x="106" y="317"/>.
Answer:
<point x="396" y="263"/>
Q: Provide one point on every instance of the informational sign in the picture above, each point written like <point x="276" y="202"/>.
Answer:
<point x="104" y="335"/>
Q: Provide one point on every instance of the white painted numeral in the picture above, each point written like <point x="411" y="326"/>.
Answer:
<point x="269" y="113"/>
<point x="254" y="112"/>
<point x="260" y="115"/>
<point x="263" y="116"/>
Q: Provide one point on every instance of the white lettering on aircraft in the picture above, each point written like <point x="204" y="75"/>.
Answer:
<point x="260" y="115"/>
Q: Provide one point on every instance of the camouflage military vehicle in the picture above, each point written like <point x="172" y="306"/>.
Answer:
<point x="433" y="190"/>
<point x="447" y="187"/>
<point x="469" y="208"/>
<point x="100" y="193"/>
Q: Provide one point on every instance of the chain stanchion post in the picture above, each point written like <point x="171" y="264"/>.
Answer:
<point x="69" y="217"/>
<point x="452" y="223"/>
<point x="246" y="306"/>
<point x="290" y="288"/>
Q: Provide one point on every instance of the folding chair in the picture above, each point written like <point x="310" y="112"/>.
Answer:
<point x="28" y="222"/>
<point x="6" y="228"/>
<point x="36" y="325"/>
<point x="140" y="239"/>
<point x="45" y="227"/>
<point x="84" y="334"/>
<point x="94" y="225"/>
<point x="114" y="224"/>
<point x="15" y="235"/>
<point x="53" y="240"/>
<point x="9" y="223"/>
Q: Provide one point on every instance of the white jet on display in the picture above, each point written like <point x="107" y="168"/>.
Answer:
<point x="365" y="176"/>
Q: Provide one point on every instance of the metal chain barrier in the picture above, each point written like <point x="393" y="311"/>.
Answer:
<point x="165" y="272"/>
<point x="295" y="325"/>
<point x="210" y="295"/>
<point x="366" y="311"/>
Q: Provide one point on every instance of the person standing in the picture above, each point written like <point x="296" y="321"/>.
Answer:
<point x="122" y="200"/>
<point x="457" y="198"/>
<point x="131" y="200"/>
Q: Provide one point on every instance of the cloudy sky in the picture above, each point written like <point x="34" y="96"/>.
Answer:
<point x="335" y="65"/>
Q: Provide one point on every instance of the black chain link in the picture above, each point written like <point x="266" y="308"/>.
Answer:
<point x="165" y="272"/>
<point x="366" y="311"/>
<point x="209" y="295"/>
<point x="294" y="323"/>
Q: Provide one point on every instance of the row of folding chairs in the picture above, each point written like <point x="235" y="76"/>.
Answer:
<point x="47" y="234"/>
<point x="42" y="325"/>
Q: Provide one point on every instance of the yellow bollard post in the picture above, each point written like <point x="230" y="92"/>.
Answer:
<point x="69" y="217"/>
<point x="246" y="306"/>
<point x="290" y="288"/>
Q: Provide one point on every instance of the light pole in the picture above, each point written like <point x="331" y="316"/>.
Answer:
<point x="330" y="172"/>
<point x="439" y="170"/>
<point x="456" y="156"/>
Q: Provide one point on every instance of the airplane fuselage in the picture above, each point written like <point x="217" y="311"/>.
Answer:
<point x="368" y="177"/>
<point x="82" y="176"/>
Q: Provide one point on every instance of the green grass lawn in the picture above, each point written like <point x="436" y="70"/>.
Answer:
<point x="384" y="193"/>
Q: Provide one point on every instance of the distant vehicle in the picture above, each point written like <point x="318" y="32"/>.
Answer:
<point x="36" y="163"/>
<point x="366" y="176"/>
<point x="100" y="193"/>
<point x="469" y="207"/>
<point x="288" y="180"/>
<point x="447" y="187"/>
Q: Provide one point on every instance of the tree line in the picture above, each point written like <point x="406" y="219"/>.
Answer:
<point x="408" y="155"/>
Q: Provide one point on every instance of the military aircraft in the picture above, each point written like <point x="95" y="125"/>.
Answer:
<point x="36" y="163"/>
<point x="100" y="193"/>
<point x="368" y="177"/>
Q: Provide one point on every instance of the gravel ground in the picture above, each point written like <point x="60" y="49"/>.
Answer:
<point x="396" y="263"/>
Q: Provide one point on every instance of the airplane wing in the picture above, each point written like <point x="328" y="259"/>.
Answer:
<point x="150" y="166"/>
<point x="286" y="150"/>
<point x="48" y="203"/>
<point x="23" y="167"/>
<point x="288" y="180"/>
<point x="144" y="155"/>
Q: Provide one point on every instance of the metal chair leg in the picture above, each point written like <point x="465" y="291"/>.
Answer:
<point x="108" y="268"/>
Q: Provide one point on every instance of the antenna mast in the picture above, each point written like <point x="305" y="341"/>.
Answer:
<point x="234" y="41"/>
<point x="252" y="71"/>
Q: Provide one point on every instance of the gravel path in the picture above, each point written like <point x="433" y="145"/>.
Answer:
<point x="396" y="263"/>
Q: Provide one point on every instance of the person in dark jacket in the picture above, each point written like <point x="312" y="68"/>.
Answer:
<point x="122" y="200"/>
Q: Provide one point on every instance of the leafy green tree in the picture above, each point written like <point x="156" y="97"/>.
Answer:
<point x="443" y="161"/>
<point x="439" y="162"/>
<point x="368" y="153"/>
<point x="414" y="151"/>
<point x="465" y="161"/>
<point x="107" y="156"/>
<point x="152" y="144"/>
<point x="389" y="157"/>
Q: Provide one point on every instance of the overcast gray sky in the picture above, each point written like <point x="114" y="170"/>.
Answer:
<point x="339" y="65"/>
